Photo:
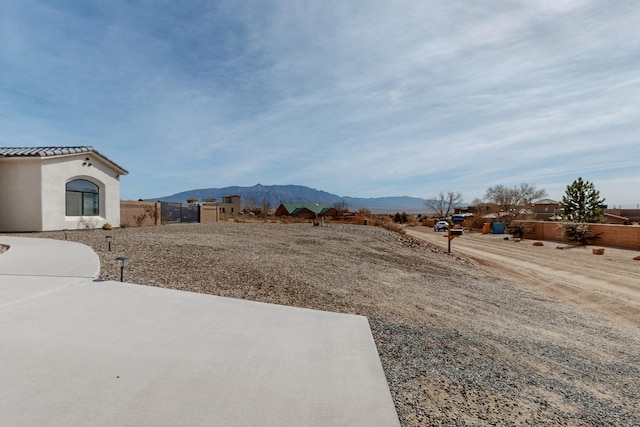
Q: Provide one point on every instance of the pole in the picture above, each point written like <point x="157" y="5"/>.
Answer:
<point x="121" y="272"/>
<point x="449" y="239"/>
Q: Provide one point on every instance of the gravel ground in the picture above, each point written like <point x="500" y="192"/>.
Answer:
<point x="459" y="345"/>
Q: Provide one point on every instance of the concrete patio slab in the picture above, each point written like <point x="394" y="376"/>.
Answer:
<point x="110" y="353"/>
<point x="46" y="257"/>
<point x="15" y="288"/>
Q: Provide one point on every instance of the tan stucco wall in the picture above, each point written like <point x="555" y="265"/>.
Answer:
<point x="57" y="171"/>
<point x="20" y="197"/>
<point x="209" y="214"/>
<point x="133" y="213"/>
<point x="612" y="235"/>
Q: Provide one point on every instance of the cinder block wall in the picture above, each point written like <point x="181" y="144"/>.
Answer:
<point x="613" y="235"/>
<point x="131" y="210"/>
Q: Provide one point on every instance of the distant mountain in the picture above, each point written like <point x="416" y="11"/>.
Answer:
<point x="387" y="204"/>
<point x="277" y="194"/>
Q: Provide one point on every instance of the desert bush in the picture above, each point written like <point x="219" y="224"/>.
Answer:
<point x="360" y="219"/>
<point x="107" y="226"/>
<point x="87" y="222"/>
<point x="518" y="230"/>
<point x="402" y="218"/>
<point x="475" y="222"/>
<point x="392" y="226"/>
<point x="153" y="212"/>
<point x="364" y="212"/>
<point x="140" y="218"/>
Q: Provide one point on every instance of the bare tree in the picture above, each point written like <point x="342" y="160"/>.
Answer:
<point x="442" y="205"/>
<point x="249" y="204"/>
<point x="265" y="206"/>
<point x="340" y="206"/>
<point x="513" y="202"/>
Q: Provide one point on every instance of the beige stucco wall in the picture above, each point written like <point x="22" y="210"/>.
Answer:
<point x="20" y="197"/>
<point x="57" y="171"/>
<point x="33" y="192"/>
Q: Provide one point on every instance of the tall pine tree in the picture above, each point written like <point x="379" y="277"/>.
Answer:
<point x="582" y="203"/>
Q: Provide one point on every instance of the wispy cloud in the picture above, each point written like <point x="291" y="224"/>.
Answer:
<point x="382" y="98"/>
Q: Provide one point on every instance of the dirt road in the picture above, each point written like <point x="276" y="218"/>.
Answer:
<point x="607" y="283"/>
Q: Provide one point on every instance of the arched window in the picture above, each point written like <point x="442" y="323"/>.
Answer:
<point x="83" y="198"/>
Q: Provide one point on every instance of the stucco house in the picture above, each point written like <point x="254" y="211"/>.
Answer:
<point x="546" y="209"/>
<point x="229" y="205"/>
<point x="56" y="188"/>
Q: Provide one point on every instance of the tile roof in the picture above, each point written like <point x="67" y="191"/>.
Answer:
<point x="54" y="151"/>
<point x="41" y="151"/>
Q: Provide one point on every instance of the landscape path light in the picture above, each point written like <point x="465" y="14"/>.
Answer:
<point x="122" y="261"/>
<point x="65" y="233"/>
<point x="109" y="238"/>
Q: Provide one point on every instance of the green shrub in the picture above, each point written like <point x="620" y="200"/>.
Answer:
<point x="579" y="232"/>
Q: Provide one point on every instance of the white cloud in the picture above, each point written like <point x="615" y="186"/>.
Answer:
<point x="361" y="99"/>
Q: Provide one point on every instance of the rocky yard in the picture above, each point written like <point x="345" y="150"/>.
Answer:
<point x="460" y="342"/>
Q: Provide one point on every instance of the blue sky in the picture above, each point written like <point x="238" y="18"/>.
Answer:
<point x="363" y="99"/>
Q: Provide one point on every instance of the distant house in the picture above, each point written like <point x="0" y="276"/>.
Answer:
<point x="306" y="210"/>
<point x="479" y="210"/>
<point x="610" y="218"/>
<point x="622" y="216"/>
<point x="55" y="188"/>
<point x="546" y="209"/>
<point x="229" y="205"/>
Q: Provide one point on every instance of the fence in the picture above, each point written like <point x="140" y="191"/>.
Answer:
<point x="179" y="212"/>
<point x="612" y="235"/>
<point x="144" y="214"/>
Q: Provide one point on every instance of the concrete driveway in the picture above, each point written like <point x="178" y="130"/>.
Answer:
<point x="77" y="351"/>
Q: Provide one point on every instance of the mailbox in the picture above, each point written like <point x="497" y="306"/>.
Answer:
<point x="456" y="231"/>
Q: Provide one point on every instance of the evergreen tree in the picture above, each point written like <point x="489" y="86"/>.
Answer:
<point x="582" y="203"/>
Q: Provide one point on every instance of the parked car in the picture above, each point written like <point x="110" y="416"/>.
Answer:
<point x="441" y="226"/>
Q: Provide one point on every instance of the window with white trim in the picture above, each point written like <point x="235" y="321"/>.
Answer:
<point x="83" y="198"/>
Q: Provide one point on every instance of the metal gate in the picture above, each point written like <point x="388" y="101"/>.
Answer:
<point x="174" y="213"/>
